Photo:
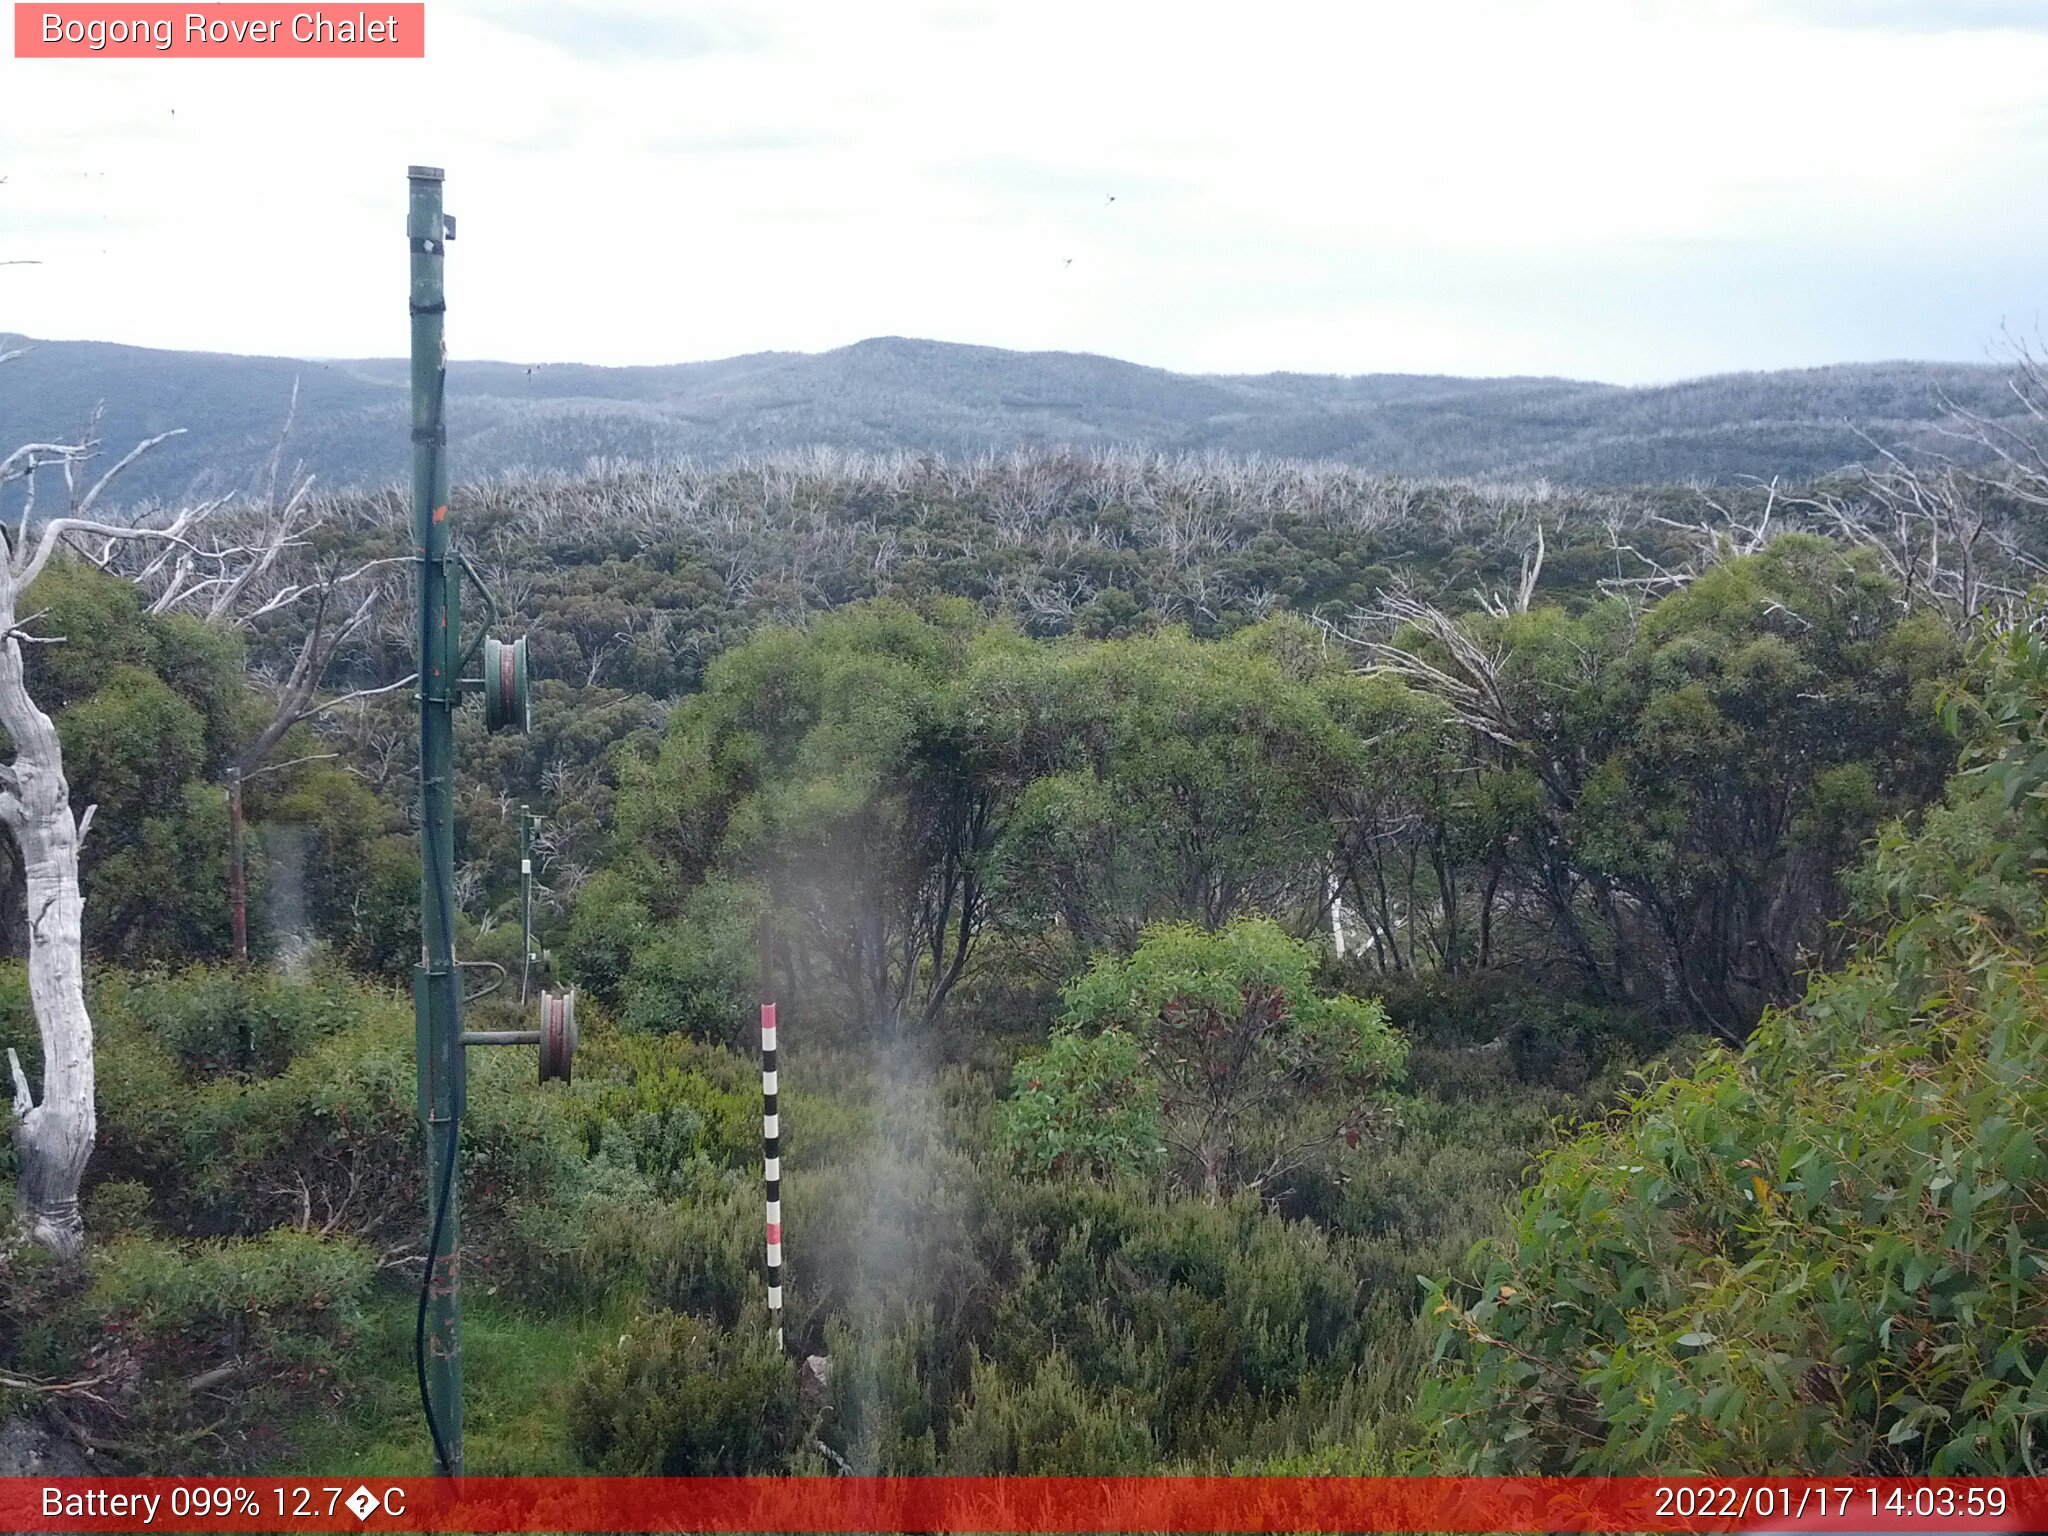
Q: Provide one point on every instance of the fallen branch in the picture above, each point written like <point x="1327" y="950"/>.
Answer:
<point x="89" y="1443"/>
<point x="214" y="1377"/>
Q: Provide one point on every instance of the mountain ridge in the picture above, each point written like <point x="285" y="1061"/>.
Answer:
<point x="895" y="393"/>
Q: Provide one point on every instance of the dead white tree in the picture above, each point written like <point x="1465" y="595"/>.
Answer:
<point x="1447" y="659"/>
<point x="1949" y="533"/>
<point x="1705" y="544"/>
<point x="53" y="1138"/>
<point x="53" y="1135"/>
<point x="1532" y="569"/>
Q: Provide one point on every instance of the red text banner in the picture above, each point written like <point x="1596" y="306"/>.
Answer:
<point x="235" y="31"/>
<point x="1021" y="1504"/>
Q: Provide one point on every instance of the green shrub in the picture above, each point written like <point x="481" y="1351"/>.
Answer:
<point x="662" y="1104"/>
<point x="610" y="925"/>
<point x="1220" y="1041"/>
<point x="38" y="1297"/>
<point x="678" y="1397"/>
<point x="710" y="1259"/>
<point x="1548" y="1036"/>
<point x="1822" y="1254"/>
<point x="18" y="1031"/>
<point x="330" y="1142"/>
<point x="891" y="1390"/>
<point x="700" y="974"/>
<point x="283" y="1295"/>
<point x="200" y="1350"/>
<point x="592" y="1239"/>
<point x="379" y="933"/>
<point x="1082" y="1106"/>
<point x="229" y="1020"/>
<point x="335" y="821"/>
<point x="1202" y="1320"/>
<point x="1049" y="1425"/>
<point x="118" y="1208"/>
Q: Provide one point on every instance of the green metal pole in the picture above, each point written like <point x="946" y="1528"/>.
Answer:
<point x="437" y="995"/>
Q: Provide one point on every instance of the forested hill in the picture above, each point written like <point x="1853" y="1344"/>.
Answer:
<point x="891" y="393"/>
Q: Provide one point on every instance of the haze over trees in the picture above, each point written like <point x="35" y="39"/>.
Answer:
<point x="1045" y="773"/>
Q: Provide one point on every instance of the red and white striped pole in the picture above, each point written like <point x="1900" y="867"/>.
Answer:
<point x="771" y="1149"/>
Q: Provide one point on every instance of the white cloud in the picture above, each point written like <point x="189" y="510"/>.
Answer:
<point x="1617" y="188"/>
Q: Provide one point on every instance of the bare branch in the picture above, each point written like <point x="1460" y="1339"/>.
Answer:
<point x="126" y="459"/>
<point x="291" y="762"/>
<point x="24" y="1099"/>
<point x="59" y="528"/>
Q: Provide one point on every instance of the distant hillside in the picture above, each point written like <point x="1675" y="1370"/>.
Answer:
<point x="891" y="393"/>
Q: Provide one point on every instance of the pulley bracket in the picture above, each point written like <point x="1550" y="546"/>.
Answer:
<point x="556" y="1037"/>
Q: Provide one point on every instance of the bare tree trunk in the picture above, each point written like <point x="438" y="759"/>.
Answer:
<point x="53" y="1139"/>
<point x="238" y="885"/>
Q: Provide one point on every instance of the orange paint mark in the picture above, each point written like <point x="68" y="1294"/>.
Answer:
<point x="440" y="514"/>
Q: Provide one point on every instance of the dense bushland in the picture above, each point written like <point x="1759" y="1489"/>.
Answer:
<point x="1058" y="785"/>
<point x="1825" y="1252"/>
<point x="1654" y="804"/>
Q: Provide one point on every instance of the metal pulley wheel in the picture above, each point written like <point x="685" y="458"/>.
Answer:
<point x="557" y="1035"/>
<point x="506" y="701"/>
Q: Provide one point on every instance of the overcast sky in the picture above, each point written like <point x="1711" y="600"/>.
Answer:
<point x="1629" y="190"/>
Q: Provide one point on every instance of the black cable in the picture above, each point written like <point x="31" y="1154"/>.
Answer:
<point x="444" y="903"/>
<point x="419" y="1340"/>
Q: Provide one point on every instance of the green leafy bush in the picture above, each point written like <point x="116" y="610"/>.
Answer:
<point x="1218" y="1047"/>
<point x="937" y="1282"/>
<point x="709" y="1262"/>
<point x="1825" y="1253"/>
<point x="336" y="822"/>
<point x="661" y="1104"/>
<point x="147" y="708"/>
<point x="1049" y="1425"/>
<point x="594" y="1238"/>
<point x="330" y="1142"/>
<point x="700" y="975"/>
<point x="197" y="1351"/>
<point x="1081" y="1106"/>
<point x="610" y="925"/>
<point x="380" y="935"/>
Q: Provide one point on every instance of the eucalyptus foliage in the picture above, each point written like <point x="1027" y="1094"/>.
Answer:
<point x="1825" y="1252"/>
<point x="1213" y="1046"/>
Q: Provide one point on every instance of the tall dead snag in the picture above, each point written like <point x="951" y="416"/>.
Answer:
<point x="52" y="1139"/>
<point x="53" y="1136"/>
